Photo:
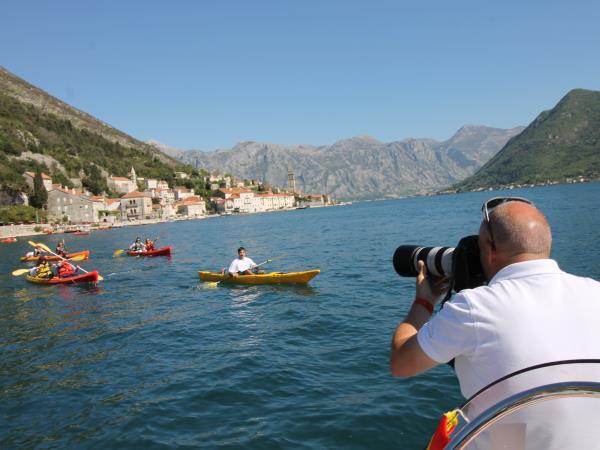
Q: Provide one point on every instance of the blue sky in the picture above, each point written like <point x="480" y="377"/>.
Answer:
<point x="208" y="74"/>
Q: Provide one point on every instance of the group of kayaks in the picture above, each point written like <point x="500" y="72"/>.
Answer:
<point x="86" y="277"/>
<point x="219" y="277"/>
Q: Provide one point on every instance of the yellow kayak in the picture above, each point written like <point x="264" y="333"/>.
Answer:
<point x="263" y="278"/>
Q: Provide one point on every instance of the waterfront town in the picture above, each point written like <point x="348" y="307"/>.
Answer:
<point x="147" y="200"/>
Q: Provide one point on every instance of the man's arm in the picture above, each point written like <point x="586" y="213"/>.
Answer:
<point x="407" y="358"/>
<point x="233" y="269"/>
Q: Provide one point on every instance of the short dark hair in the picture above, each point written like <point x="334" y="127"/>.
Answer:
<point x="240" y="249"/>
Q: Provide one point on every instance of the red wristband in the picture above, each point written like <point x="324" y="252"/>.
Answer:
<point x="425" y="304"/>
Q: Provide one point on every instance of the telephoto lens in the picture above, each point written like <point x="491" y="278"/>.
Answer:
<point x="437" y="259"/>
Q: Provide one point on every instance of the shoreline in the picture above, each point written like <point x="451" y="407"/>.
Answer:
<point x="8" y="231"/>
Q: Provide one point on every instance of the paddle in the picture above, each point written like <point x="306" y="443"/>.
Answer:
<point x="120" y="251"/>
<point x="46" y="249"/>
<point x="19" y="272"/>
<point x="212" y="284"/>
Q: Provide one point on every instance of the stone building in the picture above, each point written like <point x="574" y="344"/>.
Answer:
<point x="73" y="205"/>
<point x="135" y="206"/>
<point x="191" y="207"/>
<point x="122" y="185"/>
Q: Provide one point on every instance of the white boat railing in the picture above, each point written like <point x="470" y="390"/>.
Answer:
<point x="555" y="391"/>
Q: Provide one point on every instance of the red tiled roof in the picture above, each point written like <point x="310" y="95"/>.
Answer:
<point x="235" y="191"/>
<point x="119" y="179"/>
<point x="190" y="201"/>
<point x="136" y="194"/>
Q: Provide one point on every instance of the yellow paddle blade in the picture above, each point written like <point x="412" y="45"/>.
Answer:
<point x="100" y="278"/>
<point x="40" y="245"/>
<point x="78" y="258"/>
<point x="19" y="272"/>
<point x="211" y="284"/>
<point x="118" y="252"/>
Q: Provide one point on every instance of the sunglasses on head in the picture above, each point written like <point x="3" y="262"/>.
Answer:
<point x="492" y="203"/>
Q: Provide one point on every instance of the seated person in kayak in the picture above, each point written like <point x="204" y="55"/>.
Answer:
<point x="137" y="246"/>
<point x="60" y="248"/>
<point x="66" y="269"/>
<point x="242" y="265"/>
<point x="36" y="252"/>
<point x="149" y="245"/>
<point x="42" y="269"/>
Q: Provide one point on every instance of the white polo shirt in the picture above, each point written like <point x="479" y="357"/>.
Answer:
<point x="241" y="265"/>
<point x="530" y="313"/>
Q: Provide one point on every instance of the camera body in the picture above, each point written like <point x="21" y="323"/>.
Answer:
<point x="461" y="264"/>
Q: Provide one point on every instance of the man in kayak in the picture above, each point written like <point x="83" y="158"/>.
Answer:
<point x="36" y="252"/>
<point x="242" y="265"/>
<point x="137" y="246"/>
<point x="530" y="313"/>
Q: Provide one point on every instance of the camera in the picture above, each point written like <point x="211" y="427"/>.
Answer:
<point x="460" y="264"/>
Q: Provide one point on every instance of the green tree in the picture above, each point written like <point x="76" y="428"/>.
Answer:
<point x="40" y="195"/>
<point x="94" y="180"/>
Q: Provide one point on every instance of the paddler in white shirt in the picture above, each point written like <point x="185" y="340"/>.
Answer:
<point x="242" y="265"/>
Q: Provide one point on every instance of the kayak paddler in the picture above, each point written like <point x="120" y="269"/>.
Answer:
<point x="42" y="269"/>
<point x="66" y="269"/>
<point x="137" y="246"/>
<point x="60" y="248"/>
<point x="242" y="265"/>
<point x="36" y="252"/>
<point x="149" y="245"/>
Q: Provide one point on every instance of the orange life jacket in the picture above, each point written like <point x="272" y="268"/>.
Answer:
<point x="66" y="269"/>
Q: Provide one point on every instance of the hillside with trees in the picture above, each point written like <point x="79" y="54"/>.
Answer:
<point x="70" y="152"/>
<point x="560" y="144"/>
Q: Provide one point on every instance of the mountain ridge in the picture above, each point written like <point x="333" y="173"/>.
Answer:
<point x="360" y="167"/>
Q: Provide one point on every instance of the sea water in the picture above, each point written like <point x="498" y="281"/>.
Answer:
<point x="152" y="358"/>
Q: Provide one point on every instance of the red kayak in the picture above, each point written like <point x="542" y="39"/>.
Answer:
<point x="90" y="277"/>
<point x="165" y="251"/>
<point x="8" y="240"/>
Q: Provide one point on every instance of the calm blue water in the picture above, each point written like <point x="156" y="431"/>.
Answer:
<point x="152" y="359"/>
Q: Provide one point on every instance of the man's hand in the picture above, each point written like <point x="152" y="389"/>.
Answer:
<point x="430" y="288"/>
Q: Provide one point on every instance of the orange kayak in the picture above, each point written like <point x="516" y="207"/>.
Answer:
<point x="78" y="256"/>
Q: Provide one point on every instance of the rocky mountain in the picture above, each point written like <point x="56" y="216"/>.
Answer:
<point x="559" y="144"/>
<point x="361" y="167"/>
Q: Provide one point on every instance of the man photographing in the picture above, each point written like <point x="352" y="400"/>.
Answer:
<point x="529" y="313"/>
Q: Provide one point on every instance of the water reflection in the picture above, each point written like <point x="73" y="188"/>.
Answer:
<point x="300" y="289"/>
